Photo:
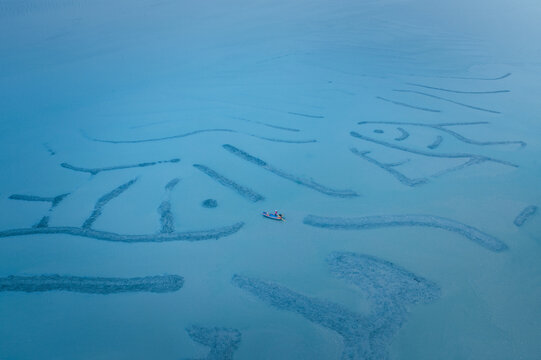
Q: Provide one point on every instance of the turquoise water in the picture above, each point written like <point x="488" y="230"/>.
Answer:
<point x="400" y="139"/>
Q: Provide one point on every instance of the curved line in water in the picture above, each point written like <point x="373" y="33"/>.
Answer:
<point x="479" y="78"/>
<point x="91" y="285"/>
<point x="306" y="115"/>
<point x="436" y="143"/>
<point x="448" y="100"/>
<point x="215" y="233"/>
<point x="477" y="158"/>
<point x="403" y="136"/>
<point x="380" y="221"/>
<point x="459" y="91"/>
<point x="441" y="127"/>
<point x="407" y="105"/>
<point x="195" y="133"/>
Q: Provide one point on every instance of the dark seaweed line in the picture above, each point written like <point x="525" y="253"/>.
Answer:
<point x="53" y="200"/>
<point x="215" y="233"/>
<point x="49" y="150"/>
<point x="403" y="134"/>
<point x="478" y="78"/>
<point x="389" y="287"/>
<point x="377" y="276"/>
<point x="306" y="115"/>
<point x="241" y="190"/>
<point x="470" y="162"/>
<point x="95" y="171"/>
<point x="171" y="184"/>
<point x="441" y="127"/>
<point x="390" y="169"/>
<point x="436" y="143"/>
<point x="166" y="215"/>
<point x="459" y="91"/>
<point x="166" y="218"/>
<point x="406" y="105"/>
<point x="379" y="221"/>
<point x="308" y="183"/>
<point x="477" y="158"/>
<point x="360" y="335"/>
<point x="266" y="124"/>
<point x="524" y="215"/>
<point x="102" y="201"/>
<point x="92" y="285"/>
<point x="223" y="342"/>
<point x="465" y="77"/>
<point x="354" y="328"/>
<point x="200" y="132"/>
<point x="448" y="100"/>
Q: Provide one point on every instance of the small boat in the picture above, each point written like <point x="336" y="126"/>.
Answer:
<point x="278" y="217"/>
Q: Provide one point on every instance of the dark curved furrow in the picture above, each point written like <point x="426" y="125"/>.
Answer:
<point x="102" y="201"/>
<point x="524" y="215"/>
<point x="354" y="328"/>
<point x="44" y="222"/>
<point x="477" y="158"/>
<point x="403" y="134"/>
<point x="215" y="233"/>
<point x="448" y="100"/>
<point x="437" y="142"/>
<point x="390" y="290"/>
<point x="171" y="184"/>
<point x="390" y="168"/>
<point x="49" y="149"/>
<point x="407" y="105"/>
<point x="266" y="124"/>
<point x="92" y="285"/>
<point x="55" y="200"/>
<point x="223" y="342"/>
<point x="487" y="241"/>
<point x="459" y="91"/>
<point x="443" y="128"/>
<point x="166" y="218"/>
<point x="239" y="189"/>
<point x="201" y="132"/>
<point x="308" y="183"/>
<point x="95" y="171"/>
<point x="306" y="115"/>
<point x="383" y="281"/>
<point x="478" y="78"/>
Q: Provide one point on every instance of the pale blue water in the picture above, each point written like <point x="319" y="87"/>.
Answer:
<point x="400" y="138"/>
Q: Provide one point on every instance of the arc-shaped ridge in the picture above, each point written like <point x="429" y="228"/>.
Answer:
<point x="91" y="285"/>
<point x="196" y="132"/>
<point x="214" y="233"/>
<point x="483" y="239"/>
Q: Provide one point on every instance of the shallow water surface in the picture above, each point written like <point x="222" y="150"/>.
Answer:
<point x="142" y="139"/>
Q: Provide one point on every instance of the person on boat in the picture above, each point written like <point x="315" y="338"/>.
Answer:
<point x="275" y="212"/>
